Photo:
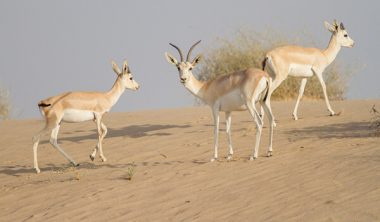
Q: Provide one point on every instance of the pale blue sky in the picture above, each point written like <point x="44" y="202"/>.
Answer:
<point x="48" y="47"/>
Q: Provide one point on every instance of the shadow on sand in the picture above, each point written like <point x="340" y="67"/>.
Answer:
<point x="133" y="131"/>
<point x="18" y="170"/>
<point x="339" y="130"/>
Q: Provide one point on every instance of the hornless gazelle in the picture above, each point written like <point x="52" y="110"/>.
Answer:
<point x="79" y="107"/>
<point x="304" y="62"/>
<point x="236" y="91"/>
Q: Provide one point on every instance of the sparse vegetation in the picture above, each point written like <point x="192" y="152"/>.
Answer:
<point x="5" y="105"/>
<point x="130" y="172"/>
<point x="375" y="119"/>
<point x="248" y="49"/>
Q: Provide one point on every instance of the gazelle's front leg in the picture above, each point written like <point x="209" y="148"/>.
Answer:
<point x="215" y="114"/>
<point x="100" y="137"/>
<point x="300" y="94"/>
<point x="228" y="131"/>
<point x="104" y="133"/>
<point x="320" y="78"/>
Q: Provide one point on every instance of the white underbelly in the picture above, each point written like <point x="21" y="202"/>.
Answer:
<point x="232" y="101"/>
<point x="76" y="115"/>
<point x="299" y="70"/>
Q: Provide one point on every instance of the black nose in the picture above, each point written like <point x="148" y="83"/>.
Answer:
<point x="183" y="79"/>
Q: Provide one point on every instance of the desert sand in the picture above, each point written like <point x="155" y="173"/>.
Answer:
<point x="322" y="169"/>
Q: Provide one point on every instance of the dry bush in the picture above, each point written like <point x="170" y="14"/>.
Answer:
<point x="5" y="105"/>
<point x="248" y="49"/>
<point x="375" y="120"/>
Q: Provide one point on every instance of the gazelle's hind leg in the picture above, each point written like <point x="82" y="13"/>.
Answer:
<point x="300" y="94"/>
<point x="257" y="119"/>
<point x="271" y="125"/>
<point x="36" y="140"/>
<point x="228" y="131"/>
<point x="54" y="143"/>
<point x="104" y="133"/>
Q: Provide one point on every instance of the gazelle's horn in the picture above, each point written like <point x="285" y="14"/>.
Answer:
<point x="191" y="49"/>
<point x="179" y="50"/>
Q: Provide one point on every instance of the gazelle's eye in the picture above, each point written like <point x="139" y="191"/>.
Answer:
<point x="178" y="68"/>
<point x="190" y="68"/>
<point x="345" y="35"/>
<point x="130" y="78"/>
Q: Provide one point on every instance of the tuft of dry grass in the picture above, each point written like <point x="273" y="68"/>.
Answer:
<point x="248" y="49"/>
<point x="5" y="105"/>
<point x="375" y="119"/>
<point x="130" y="172"/>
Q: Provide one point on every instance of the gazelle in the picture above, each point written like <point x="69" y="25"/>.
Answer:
<point x="79" y="107"/>
<point x="304" y="62"/>
<point x="236" y="91"/>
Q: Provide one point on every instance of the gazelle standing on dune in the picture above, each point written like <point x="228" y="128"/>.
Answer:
<point x="79" y="107"/>
<point x="236" y="91"/>
<point x="304" y="62"/>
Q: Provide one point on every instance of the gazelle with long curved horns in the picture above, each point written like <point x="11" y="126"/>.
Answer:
<point x="79" y="107"/>
<point x="236" y="91"/>
<point x="305" y="62"/>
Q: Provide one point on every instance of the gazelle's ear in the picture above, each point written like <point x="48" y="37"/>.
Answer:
<point x="196" y="60"/>
<point x="329" y="27"/>
<point x="170" y="59"/>
<point x="125" y="67"/>
<point x="115" y="68"/>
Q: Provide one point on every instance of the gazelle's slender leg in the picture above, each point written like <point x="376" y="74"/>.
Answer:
<point x="54" y="143"/>
<point x="36" y="140"/>
<point x="228" y="131"/>
<point x="320" y="78"/>
<point x="104" y="133"/>
<point x="271" y="122"/>
<point x="256" y="117"/>
<point x="100" y="137"/>
<point x="215" y="114"/>
<point x="300" y="94"/>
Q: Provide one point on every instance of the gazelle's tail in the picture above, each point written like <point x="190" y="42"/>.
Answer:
<point x="263" y="63"/>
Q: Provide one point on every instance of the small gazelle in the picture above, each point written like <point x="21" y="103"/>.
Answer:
<point x="79" y="107"/>
<point x="305" y="62"/>
<point x="236" y="91"/>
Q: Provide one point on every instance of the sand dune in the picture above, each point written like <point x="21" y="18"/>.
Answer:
<point x="323" y="168"/>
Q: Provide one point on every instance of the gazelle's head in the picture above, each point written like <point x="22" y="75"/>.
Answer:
<point x="184" y="67"/>
<point x="340" y="33"/>
<point x="125" y="76"/>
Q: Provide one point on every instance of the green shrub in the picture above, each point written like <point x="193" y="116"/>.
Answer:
<point x="248" y="49"/>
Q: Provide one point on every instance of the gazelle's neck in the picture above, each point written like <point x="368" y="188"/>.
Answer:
<point x="196" y="87"/>
<point x="332" y="49"/>
<point x="116" y="91"/>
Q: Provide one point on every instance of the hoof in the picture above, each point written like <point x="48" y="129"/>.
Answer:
<point x="295" y="117"/>
<point x="269" y="154"/>
<point x="38" y="170"/>
<point x="229" y="157"/>
<point x="252" y="158"/>
<point x="75" y="164"/>
<point x="92" y="158"/>
<point x="213" y="159"/>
